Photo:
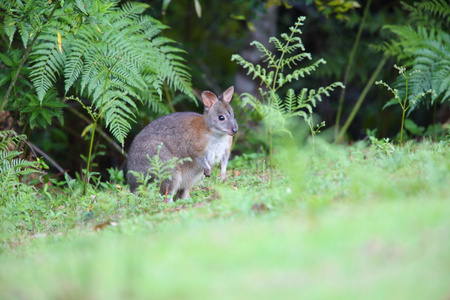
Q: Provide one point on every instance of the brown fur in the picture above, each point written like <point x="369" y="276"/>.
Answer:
<point x="203" y="138"/>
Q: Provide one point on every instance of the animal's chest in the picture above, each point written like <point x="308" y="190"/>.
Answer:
<point x="217" y="148"/>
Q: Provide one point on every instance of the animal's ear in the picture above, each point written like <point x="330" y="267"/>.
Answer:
<point x="209" y="99"/>
<point x="228" y="94"/>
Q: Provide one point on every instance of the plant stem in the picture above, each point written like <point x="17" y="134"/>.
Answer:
<point x="168" y="98"/>
<point x="348" y="68"/>
<point x="22" y="62"/>
<point x="361" y="98"/>
<point x="404" y="108"/>
<point x="99" y="131"/>
<point x="273" y="89"/>
<point x="401" y="129"/>
<point x="311" y="128"/>
<point x="88" y="168"/>
<point x="95" y="119"/>
<point x="271" y="157"/>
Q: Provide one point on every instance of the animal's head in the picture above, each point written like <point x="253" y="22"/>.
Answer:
<point x="219" y="114"/>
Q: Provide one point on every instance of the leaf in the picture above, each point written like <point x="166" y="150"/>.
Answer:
<point x="6" y="60"/>
<point x="87" y="129"/>
<point x="198" y="8"/>
<point x="59" y="41"/>
<point x="165" y="5"/>
<point x="413" y="128"/>
<point x="238" y="17"/>
<point x="251" y="26"/>
<point x="391" y="102"/>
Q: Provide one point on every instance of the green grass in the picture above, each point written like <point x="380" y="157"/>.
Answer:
<point x="344" y="223"/>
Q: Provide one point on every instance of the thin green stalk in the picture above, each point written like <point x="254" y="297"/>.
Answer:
<point x="271" y="157"/>
<point x="277" y="69"/>
<point x="168" y="98"/>
<point x="311" y="128"/>
<point x="88" y="168"/>
<point x="22" y="62"/>
<point x="271" y="100"/>
<point x="95" y="119"/>
<point x="361" y="98"/>
<point x="348" y="68"/>
<point x="404" y="109"/>
<point x="401" y="129"/>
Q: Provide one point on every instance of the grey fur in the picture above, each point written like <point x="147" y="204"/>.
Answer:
<point x="203" y="138"/>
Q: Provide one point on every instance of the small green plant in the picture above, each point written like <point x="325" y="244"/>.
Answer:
<point x="95" y="116"/>
<point x="282" y="69"/>
<point x="116" y="176"/>
<point x="384" y="145"/>
<point x="17" y="199"/>
<point x="158" y="172"/>
<point x="11" y="165"/>
<point x="402" y="97"/>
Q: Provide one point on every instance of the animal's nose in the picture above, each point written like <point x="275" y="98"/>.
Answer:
<point x="234" y="130"/>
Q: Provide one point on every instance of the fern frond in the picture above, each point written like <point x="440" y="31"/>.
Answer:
<point x="267" y="55"/>
<point x="296" y="74"/>
<point x="292" y="44"/>
<point x="118" y="117"/>
<point x="10" y="165"/>
<point x="257" y="70"/>
<point x="132" y="10"/>
<point x="438" y="8"/>
<point x="296" y="59"/>
<point x="10" y="28"/>
<point x="314" y="95"/>
<point x="248" y="99"/>
<point x="279" y="46"/>
<point x="47" y="61"/>
<point x="74" y="60"/>
<point x="171" y="67"/>
<point x="290" y="100"/>
<point x="278" y="103"/>
<point x="107" y="51"/>
<point x="426" y="50"/>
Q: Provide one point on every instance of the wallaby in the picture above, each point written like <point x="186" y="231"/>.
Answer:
<point x="203" y="138"/>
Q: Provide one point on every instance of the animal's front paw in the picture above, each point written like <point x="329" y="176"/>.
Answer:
<point x="223" y="176"/>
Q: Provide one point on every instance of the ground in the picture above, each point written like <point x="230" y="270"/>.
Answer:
<point x="354" y="222"/>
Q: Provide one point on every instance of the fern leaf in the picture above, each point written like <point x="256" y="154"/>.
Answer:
<point x="10" y="28"/>
<point x="47" y="62"/>
<point x="295" y="59"/>
<point x="267" y="55"/>
<point x="439" y="8"/>
<point x="299" y="73"/>
<point x="290" y="100"/>
<point x="74" y="61"/>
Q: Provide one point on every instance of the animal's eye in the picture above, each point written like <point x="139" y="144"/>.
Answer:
<point x="221" y="118"/>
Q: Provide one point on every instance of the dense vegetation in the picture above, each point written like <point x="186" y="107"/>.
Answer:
<point x="338" y="182"/>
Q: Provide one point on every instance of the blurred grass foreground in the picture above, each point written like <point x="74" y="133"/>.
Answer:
<point x="342" y="223"/>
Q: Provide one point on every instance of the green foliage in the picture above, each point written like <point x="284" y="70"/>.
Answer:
<point x="424" y="47"/>
<point x="384" y="145"/>
<point x="11" y="166"/>
<point x="405" y="99"/>
<point x="159" y="172"/>
<point x="39" y="113"/>
<point x="282" y="68"/>
<point x="339" y="8"/>
<point x="11" y="60"/>
<point x="17" y="198"/>
<point x="114" y="57"/>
